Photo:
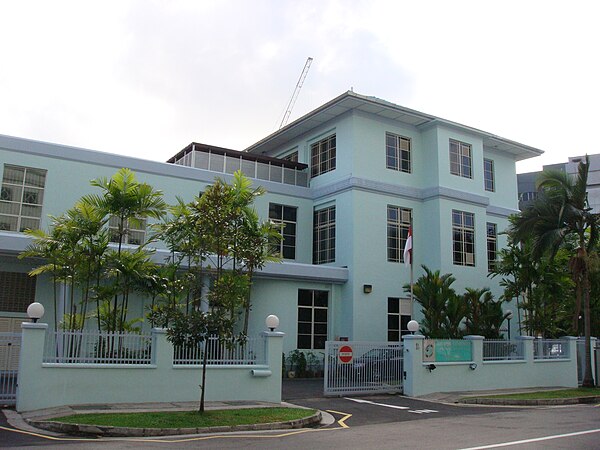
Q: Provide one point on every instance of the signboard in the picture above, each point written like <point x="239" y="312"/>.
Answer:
<point x="447" y="350"/>
<point x="428" y="350"/>
<point x="345" y="354"/>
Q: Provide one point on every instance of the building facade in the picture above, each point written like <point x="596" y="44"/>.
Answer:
<point x="347" y="180"/>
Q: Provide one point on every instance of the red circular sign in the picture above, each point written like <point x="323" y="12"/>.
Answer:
<point x="345" y="354"/>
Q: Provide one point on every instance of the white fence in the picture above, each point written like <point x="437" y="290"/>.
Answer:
<point x="220" y="352"/>
<point x="93" y="347"/>
<point x="500" y="350"/>
<point x="10" y="348"/>
<point x="551" y="349"/>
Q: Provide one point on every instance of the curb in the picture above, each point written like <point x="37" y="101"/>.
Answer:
<point x="533" y="402"/>
<point x="99" y="430"/>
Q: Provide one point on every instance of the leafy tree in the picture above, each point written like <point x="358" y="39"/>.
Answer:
<point x="432" y="291"/>
<point x="129" y="202"/>
<point x="484" y="315"/>
<point x="543" y="288"/>
<point x="454" y="314"/>
<point x="562" y="210"/>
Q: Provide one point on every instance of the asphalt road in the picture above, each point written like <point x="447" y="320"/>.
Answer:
<point x="380" y="422"/>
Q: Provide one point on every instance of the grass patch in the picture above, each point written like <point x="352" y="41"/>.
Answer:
<point x="563" y="393"/>
<point x="189" y="419"/>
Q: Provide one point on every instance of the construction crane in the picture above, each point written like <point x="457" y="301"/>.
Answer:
<point x="292" y="102"/>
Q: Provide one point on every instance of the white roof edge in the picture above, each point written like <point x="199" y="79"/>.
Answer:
<point x="524" y="151"/>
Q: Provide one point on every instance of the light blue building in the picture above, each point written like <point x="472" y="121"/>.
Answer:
<point x="347" y="179"/>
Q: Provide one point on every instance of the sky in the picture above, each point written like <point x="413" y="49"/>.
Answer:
<point x="146" y="78"/>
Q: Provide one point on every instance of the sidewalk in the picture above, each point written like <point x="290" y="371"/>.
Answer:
<point x="471" y="397"/>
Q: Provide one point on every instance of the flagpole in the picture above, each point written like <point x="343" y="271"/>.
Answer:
<point x="408" y="256"/>
<point x="412" y="257"/>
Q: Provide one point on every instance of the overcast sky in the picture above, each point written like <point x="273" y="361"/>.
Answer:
<point x="146" y="78"/>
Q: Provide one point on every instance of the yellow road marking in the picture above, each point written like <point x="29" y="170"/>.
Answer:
<point x="200" y="438"/>
<point x="343" y="419"/>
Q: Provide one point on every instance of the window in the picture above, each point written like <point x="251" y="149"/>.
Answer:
<point x="397" y="322"/>
<point x="488" y="175"/>
<point x="286" y="217"/>
<point x="21" y="198"/>
<point x="18" y="291"/>
<point x="463" y="238"/>
<point x="492" y="245"/>
<point x="322" y="156"/>
<point x="397" y="151"/>
<point x="460" y="159"/>
<point x="398" y="223"/>
<point x="528" y="196"/>
<point x="312" y="318"/>
<point x="293" y="157"/>
<point x="324" y="236"/>
<point x="135" y="231"/>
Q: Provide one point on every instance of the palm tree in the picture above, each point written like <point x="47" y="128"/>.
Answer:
<point x="562" y="210"/>
<point x="433" y="291"/>
<point x="128" y="202"/>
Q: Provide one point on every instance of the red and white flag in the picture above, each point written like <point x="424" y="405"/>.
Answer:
<point x="408" y="249"/>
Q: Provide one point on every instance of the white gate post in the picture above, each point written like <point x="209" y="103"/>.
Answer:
<point x="274" y="350"/>
<point x="413" y="364"/>
<point x="29" y="387"/>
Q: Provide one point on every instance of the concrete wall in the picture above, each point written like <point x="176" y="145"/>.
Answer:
<point x="485" y="375"/>
<point x="44" y="385"/>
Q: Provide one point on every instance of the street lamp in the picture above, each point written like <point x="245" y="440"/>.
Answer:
<point x="272" y="322"/>
<point x="413" y="326"/>
<point x="509" y="315"/>
<point x="35" y="311"/>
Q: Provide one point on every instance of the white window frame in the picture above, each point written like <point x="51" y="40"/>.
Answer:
<point x="323" y="156"/>
<point x="399" y="221"/>
<point x="285" y="229"/>
<point x="489" y="180"/>
<point x="461" y="159"/>
<point x="324" y="235"/>
<point x="135" y="234"/>
<point x="492" y="245"/>
<point x="398" y="152"/>
<point x="399" y="316"/>
<point x="13" y="193"/>
<point x="463" y="229"/>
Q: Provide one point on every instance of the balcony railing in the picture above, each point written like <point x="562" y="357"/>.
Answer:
<point x="253" y="166"/>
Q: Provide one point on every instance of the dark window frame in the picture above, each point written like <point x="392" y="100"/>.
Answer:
<point x="313" y="306"/>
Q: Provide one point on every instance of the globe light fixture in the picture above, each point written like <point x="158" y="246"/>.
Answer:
<point x="35" y="311"/>
<point x="413" y="326"/>
<point x="272" y="322"/>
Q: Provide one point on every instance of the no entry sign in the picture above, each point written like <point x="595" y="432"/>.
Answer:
<point x="345" y="354"/>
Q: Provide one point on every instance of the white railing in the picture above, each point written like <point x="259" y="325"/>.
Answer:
<point x="93" y="347"/>
<point x="217" y="162"/>
<point x="551" y="349"/>
<point x="501" y="350"/>
<point x="10" y="348"/>
<point x="220" y="352"/>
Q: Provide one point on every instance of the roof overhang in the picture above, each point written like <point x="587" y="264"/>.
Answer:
<point x="351" y="101"/>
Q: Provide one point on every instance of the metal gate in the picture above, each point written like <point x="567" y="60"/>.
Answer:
<point x="363" y="367"/>
<point x="10" y="349"/>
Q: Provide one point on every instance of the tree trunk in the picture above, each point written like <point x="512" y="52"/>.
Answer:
<point x="588" y="378"/>
<point x="203" y="385"/>
<point x="577" y="311"/>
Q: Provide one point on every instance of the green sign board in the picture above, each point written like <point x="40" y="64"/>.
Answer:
<point x="452" y="350"/>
